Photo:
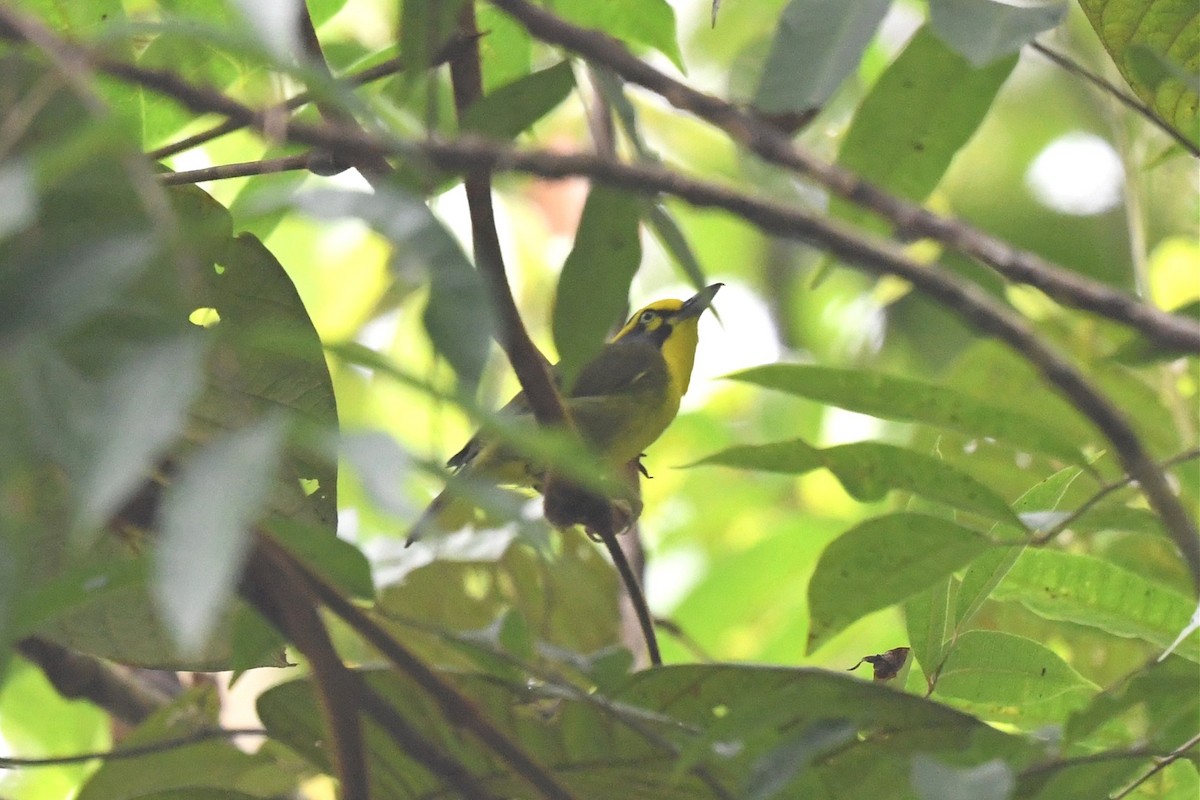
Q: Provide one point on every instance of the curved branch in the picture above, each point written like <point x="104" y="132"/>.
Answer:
<point x="1068" y="288"/>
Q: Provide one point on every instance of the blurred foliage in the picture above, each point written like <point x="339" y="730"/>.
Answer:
<point x="297" y="355"/>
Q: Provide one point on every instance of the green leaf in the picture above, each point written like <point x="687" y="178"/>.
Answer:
<point x="986" y="572"/>
<point x="425" y="25"/>
<point x="1161" y="696"/>
<point x="933" y="780"/>
<point x="869" y="470"/>
<point x="982" y="31"/>
<point x="817" y="43"/>
<point x="666" y="228"/>
<point x="505" y="48"/>
<point x="593" y="289"/>
<point x="646" y="22"/>
<point x="774" y="771"/>
<point x="1129" y="29"/>
<point x="990" y="667"/>
<point x="1091" y="591"/>
<point x="905" y="400"/>
<point x="513" y="108"/>
<point x="920" y="113"/>
<point x="206" y="517"/>
<point x="457" y="316"/>
<point x="883" y="561"/>
<point x="926" y="619"/>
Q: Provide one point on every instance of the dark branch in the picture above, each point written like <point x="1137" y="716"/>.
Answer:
<point x="1160" y="763"/>
<point x="273" y="586"/>
<point x="1068" y="288"/>
<point x="77" y="676"/>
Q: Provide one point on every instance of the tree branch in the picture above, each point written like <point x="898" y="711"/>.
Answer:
<point x="1160" y="763"/>
<point x="266" y="166"/>
<point x="272" y="584"/>
<point x="1068" y="288"/>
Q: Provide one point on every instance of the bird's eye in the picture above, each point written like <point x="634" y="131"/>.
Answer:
<point x="646" y="317"/>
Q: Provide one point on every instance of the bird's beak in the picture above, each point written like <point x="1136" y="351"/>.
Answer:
<point x="694" y="306"/>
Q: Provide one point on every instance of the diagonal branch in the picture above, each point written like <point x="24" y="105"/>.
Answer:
<point x="1068" y="288"/>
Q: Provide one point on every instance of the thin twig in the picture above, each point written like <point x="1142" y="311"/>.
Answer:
<point x="1103" y="492"/>
<point x="134" y="751"/>
<point x="244" y="169"/>
<point x="1065" y="286"/>
<point x="1160" y="763"/>
<point x="389" y="67"/>
<point x="1075" y="68"/>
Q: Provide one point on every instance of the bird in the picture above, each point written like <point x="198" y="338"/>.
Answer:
<point x="621" y="402"/>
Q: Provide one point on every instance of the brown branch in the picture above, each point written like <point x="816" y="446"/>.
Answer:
<point x="458" y="709"/>
<point x="137" y="751"/>
<point x="78" y="676"/>
<point x="1077" y="69"/>
<point x="530" y="366"/>
<point x="965" y="299"/>
<point x="273" y="586"/>
<point x="372" y="166"/>
<point x="1167" y="331"/>
<point x="1160" y="763"/>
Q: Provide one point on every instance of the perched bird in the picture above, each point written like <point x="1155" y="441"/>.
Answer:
<point x="621" y="402"/>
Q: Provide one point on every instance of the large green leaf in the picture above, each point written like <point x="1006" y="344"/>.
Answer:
<point x="995" y="668"/>
<point x="726" y="717"/>
<point x="1091" y="591"/>
<point x="906" y="400"/>
<point x="593" y="289"/>
<point x="884" y="561"/>
<point x="817" y="44"/>
<point x="1155" y="44"/>
<point x="869" y="470"/>
<point x="512" y="108"/>
<point x="923" y="109"/>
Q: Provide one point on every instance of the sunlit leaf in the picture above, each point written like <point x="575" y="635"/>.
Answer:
<point x="869" y="470"/>
<point x="817" y="43"/>
<point x="883" y="561"/>
<point x="907" y="400"/>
